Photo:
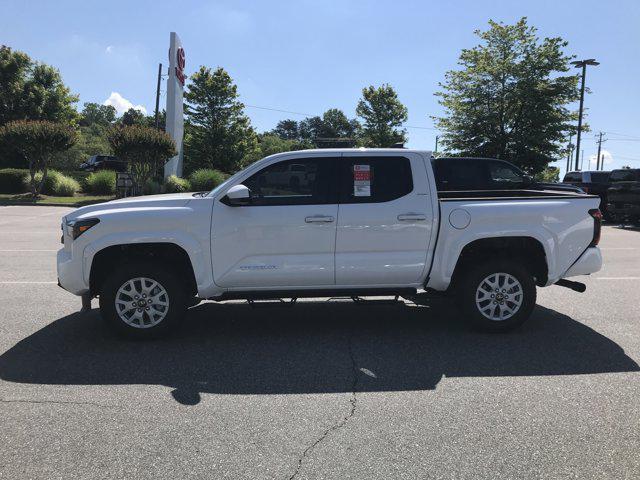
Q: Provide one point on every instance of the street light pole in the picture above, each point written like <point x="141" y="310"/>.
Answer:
<point x="582" y="64"/>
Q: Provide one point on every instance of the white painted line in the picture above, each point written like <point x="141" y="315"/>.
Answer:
<point x="617" y="278"/>
<point x="28" y="250"/>
<point x="28" y="283"/>
<point x="619" y="248"/>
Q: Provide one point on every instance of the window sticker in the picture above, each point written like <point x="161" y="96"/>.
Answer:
<point x="361" y="180"/>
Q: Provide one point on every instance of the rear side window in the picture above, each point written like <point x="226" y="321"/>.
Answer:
<point x="626" y="175"/>
<point x="504" y="175"/>
<point x="573" y="177"/>
<point x="374" y="179"/>
<point x="599" y="177"/>
<point x="460" y="174"/>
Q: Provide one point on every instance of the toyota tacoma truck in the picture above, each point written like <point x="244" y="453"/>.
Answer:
<point x="369" y="222"/>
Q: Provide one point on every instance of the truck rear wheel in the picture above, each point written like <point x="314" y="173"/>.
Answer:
<point x="497" y="295"/>
<point x="142" y="300"/>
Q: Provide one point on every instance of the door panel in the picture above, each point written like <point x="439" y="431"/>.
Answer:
<point x="286" y="236"/>
<point x="383" y="242"/>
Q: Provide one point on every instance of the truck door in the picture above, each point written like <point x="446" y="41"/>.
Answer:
<point x="285" y="236"/>
<point x="385" y="220"/>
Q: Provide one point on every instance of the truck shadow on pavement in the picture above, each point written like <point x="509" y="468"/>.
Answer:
<point x="320" y="347"/>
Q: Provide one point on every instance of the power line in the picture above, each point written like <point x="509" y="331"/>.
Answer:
<point x="271" y="109"/>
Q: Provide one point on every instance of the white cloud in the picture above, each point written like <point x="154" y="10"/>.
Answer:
<point x="109" y="49"/>
<point x="121" y="104"/>
<point x="608" y="158"/>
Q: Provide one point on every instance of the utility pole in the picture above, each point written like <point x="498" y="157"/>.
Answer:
<point x="436" y="150"/>
<point x="158" y="96"/>
<point x="599" y="164"/>
<point x="569" y="152"/>
<point x="582" y="64"/>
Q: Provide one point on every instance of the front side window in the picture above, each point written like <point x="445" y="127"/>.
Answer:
<point x="292" y="182"/>
<point x="626" y="175"/>
<point x="503" y="175"/>
<point x="374" y="179"/>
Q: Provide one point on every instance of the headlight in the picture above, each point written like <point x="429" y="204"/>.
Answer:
<point x="78" y="227"/>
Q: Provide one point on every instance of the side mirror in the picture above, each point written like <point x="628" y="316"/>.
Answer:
<point x="237" y="195"/>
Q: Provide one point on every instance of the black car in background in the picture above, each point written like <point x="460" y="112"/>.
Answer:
<point x="593" y="182"/>
<point x="468" y="173"/>
<point x="104" y="162"/>
<point x="624" y="195"/>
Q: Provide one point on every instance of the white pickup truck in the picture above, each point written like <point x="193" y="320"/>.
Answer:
<point x="368" y="222"/>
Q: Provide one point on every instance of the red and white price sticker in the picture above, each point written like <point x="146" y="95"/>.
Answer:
<point x="362" y="180"/>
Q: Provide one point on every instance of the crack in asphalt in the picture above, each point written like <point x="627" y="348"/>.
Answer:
<point x="56" y="402"/>
<point x="343" y="421"/>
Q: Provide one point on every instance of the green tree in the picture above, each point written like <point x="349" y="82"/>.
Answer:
<point x="37" y="142"/>
<point x="510" y="98"/>
<point x="287" y="130"/>
<point x="133" y="117"/>
<point x="549" y="174"/>
<point x="96" y="114"/>
<point x="382" y="116"/>
<point x="32" y="91"/>
<point x="324" y="131"/>
<point x="145" y="149"/>
<point x="218" y="133"/>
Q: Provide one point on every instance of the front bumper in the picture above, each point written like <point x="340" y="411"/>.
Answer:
<point x="70" y="273"/>
<point x="589" y="262"/>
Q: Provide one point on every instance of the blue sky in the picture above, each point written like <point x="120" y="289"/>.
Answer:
<point x="306" y="56"/>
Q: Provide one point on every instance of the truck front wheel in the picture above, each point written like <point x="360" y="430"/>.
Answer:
<point x="142" y="300"/>
<point x="497" y="295"/>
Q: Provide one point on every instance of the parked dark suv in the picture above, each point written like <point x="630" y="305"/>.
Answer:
<point x="467" y="173"/>
<point x="624" y="195"/>
<point x="104" y="162"/>
<point x="593" y="182"/>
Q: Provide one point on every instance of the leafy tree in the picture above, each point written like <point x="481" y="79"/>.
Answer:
<point x="218" y="133"/>
<point x="32" y="91"/>
<point x="287" y="130"/>
<point x="509" y="99"/>
<point x="549" y="174"/>
<point x="145" y="149"/>
<point x="333" y="124"/>
<point x="382" y="114"/>
<point x="96" y="114"/>
<point x="133" y="117"/>
<point x="37" y="142"/>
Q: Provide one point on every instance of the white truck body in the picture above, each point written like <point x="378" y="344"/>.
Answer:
<point x="414" y="241"/>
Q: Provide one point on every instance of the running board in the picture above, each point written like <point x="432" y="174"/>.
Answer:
<point x="320" y="293"/>
<point x="575" y="286"/>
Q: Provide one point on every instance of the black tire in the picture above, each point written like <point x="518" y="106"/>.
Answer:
<point x="175" y="292"/>
<point x="471" y="281"/>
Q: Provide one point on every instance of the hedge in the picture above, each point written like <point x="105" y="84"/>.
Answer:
<point x="12" y="180"/>
<point x="175" y="184"/>
<point x="102" y="182"/>
<point x="205" y="179"/>
<point x="55" y="184"/>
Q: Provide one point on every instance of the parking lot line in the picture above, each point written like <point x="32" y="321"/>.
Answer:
<point x="617" y="278"/>
<point x="25" y="282"/>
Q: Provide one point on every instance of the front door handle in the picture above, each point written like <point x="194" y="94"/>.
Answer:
<point x="412" y="217"/>
<point x="319" y="219"/>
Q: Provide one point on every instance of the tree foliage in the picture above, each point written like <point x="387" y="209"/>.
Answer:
<point x="37" y="142"/>
<point x="32" y="91"/>
<point x="145" y="150"/>
<point x="510" y="98"/>
<point x="96" y="114"/>
<point x="218" y="133"/>
<point x="382" y="116"/>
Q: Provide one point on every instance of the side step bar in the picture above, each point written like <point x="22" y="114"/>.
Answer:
<point x="351" y="292"/>
<point x="575" y="286"/>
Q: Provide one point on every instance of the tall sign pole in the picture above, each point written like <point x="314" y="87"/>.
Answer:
<point x="175" y="108"/>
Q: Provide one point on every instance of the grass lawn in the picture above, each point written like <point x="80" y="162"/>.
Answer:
<point x="77" y="201"/>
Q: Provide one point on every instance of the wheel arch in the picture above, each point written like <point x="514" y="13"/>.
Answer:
<point x="528" y="249"/>
<point x="170" y="254"/>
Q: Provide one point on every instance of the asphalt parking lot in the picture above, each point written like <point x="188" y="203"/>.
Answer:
<point x="325" y="389"/>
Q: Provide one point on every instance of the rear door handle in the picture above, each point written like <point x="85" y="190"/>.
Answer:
<point x="319" y="219"/>
<point x="412" y="217"/>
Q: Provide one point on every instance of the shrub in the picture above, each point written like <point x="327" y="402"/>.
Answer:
<point x="176" y="185"/>
<point x="151" y="187"/>
<point x="102" y="182"/>
<point x="12" y="180"/>
<point x="55" y="184"/>
<point x="205" y="179"/>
